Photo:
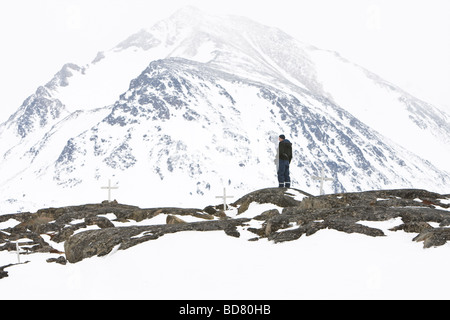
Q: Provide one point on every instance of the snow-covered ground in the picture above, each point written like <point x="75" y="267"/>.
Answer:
<point x="211" y="265"/>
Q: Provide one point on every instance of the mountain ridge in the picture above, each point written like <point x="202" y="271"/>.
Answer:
<point x="230" y="104"/>
<point x="77" y="232"/>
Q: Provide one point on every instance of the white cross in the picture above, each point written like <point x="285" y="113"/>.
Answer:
<point x="18" y="252"/>
<point x="109" y="189"/>
<point x="224" y="197"/>
<point x="322" y="178"/>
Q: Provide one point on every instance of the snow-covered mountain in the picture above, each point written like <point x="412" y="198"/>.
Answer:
<point x="196" y="103"/>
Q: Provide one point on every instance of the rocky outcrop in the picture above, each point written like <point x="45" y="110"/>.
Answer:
<point x="342" y="212"/>
<point x="3" y="273"/>
<point x="279" y="196"/>
<point x="101" y="242"/>
<point x="98" y="229"/>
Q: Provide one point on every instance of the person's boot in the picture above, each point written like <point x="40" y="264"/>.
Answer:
<point x="287" y="184"/>
<point x="281" y="185"/>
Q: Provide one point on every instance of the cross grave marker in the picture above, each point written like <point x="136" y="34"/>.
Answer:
<point x="224" y="197"/>
<point x="322" y="178"/>
<point x="109" y="187"/>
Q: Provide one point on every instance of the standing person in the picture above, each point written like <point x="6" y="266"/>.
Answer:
<point x="284" y="158"/>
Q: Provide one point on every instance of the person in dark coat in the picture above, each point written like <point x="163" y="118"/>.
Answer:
<point x="284" y="159"/>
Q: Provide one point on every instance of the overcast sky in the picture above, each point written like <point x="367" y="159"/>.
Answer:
<point x="406" y="42"/>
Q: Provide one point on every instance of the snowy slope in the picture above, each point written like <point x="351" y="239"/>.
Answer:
<point x="196" y="103"/>
<point x="178" y="111"/>
<point x="228" y="133"/>
<point x="415" y="124"/>
<point x="209" y="265"/>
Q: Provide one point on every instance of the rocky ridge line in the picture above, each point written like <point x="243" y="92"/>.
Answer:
<point x="96" y="229"/>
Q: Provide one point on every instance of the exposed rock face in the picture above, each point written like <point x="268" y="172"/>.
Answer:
<point x="97" y="229"/>
<point x="101" y="242"/>
<point x="279" y="196"/>
<point x="341" y="212"/>
<point x="3" y="273"/>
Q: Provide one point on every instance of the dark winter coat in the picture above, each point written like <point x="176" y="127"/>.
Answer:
<point x="285" y="150"/>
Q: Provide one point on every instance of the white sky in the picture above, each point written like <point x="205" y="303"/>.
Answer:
<point x="406" y="42"/>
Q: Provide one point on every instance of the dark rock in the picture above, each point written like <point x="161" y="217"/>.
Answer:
<point x="232" y="231"/>
<point x="100" y="242"/>
<point x="3" y="273"/>
<point x="60" y="260"/>
<point x="342" y="212"/>
<point x="210" y="210"/>
<point x="279" y="196"/>
<point x="101" y="222"/>
<point x="413" y="227"/>
<point x="173" y="220"/>
<point x="433" y="237"/>
<point x="267" y="214"/>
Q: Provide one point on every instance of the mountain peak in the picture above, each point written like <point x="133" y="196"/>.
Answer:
<point x="187" y="11"/>
<point x="142" y="39"/>
<point x="61" y="79"/>
<point x="154" y="98"/>
<point x="37" y="111"/>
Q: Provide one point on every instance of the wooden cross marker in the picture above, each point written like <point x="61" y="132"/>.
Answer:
<point x="224" y="197"/>
<point x="18" y="252"/>
<point x="322" y="178"/>
<point x="109" y="189"/>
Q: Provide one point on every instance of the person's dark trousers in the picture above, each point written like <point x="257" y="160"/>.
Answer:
<point x="284" y="180"/>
